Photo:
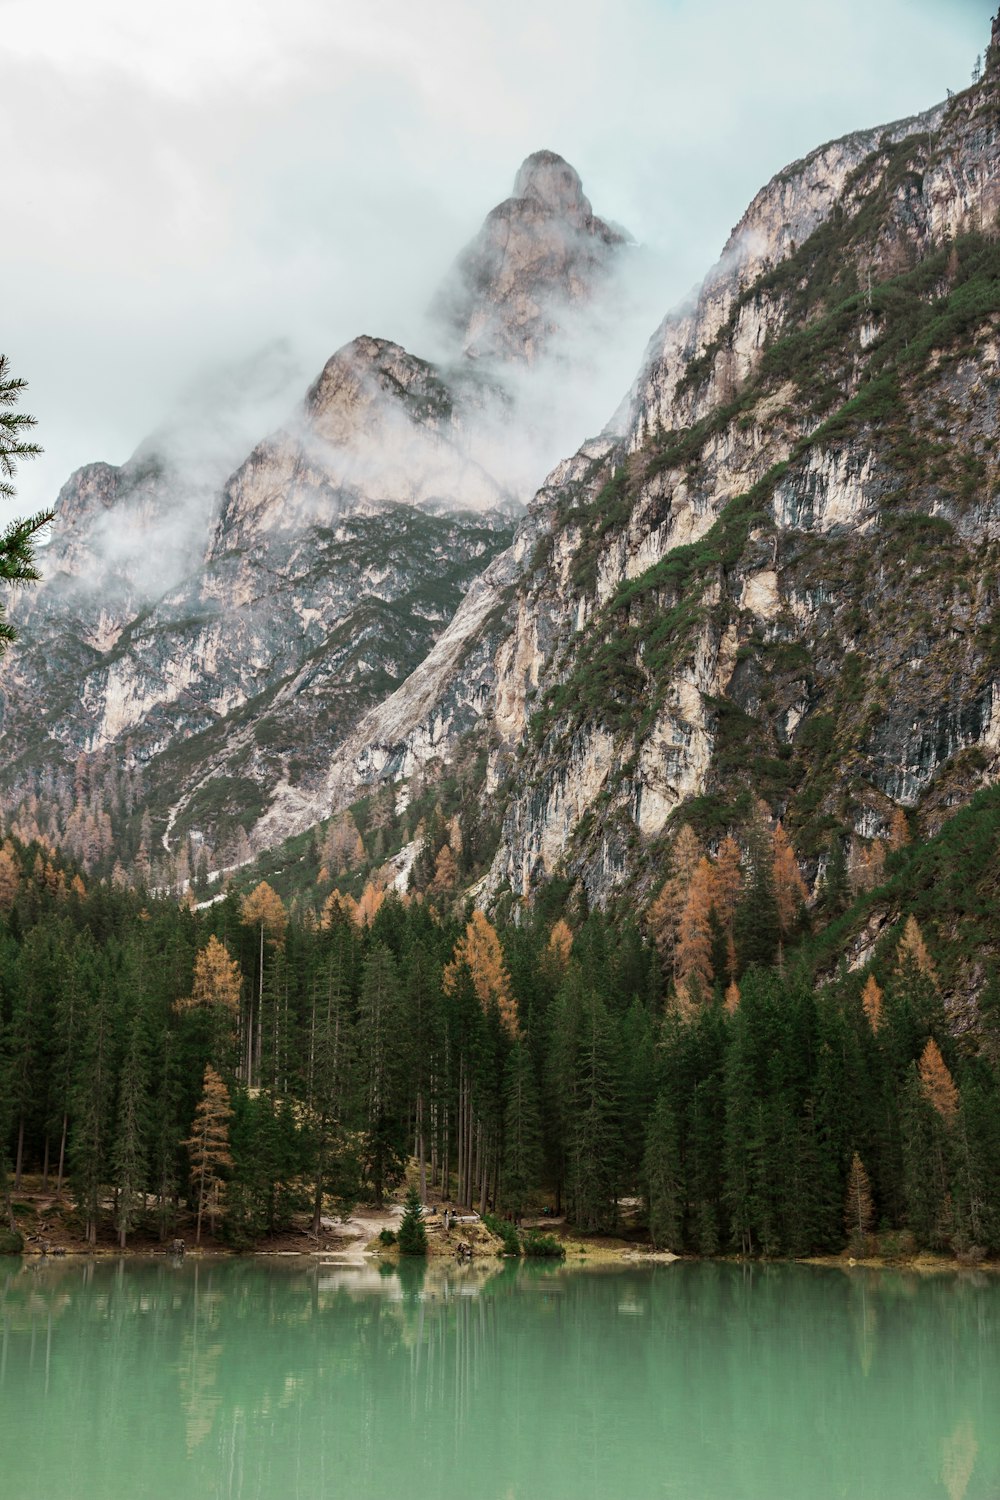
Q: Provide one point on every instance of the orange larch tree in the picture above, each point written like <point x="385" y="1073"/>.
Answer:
<point x="693" y="954"/>
<point x="217" y="979"/>
<point x="208" y="1147"/>
<point x="10" y="877"/>
<point x="265" y="910"/>
<point x="339" y="906"/>
<point x="560" y="944"/>
<point x="912" y="950"/>
<point x="899" y="830"/>
<point x="342" y="845"/>
<point x="727" y="883"/>
<point x="480" y="951"/>
<point x="663" y="917"/>
<point x="789" y="888"/>
<point x="871" y="1000"/>
<point x="936" y="1082"/>
<point x="367" y="908"/>
<point x="445" y="872"/>
<point x="859" y="1209"/>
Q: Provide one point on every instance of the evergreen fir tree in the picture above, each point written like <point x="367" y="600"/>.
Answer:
<point x="412" y="1236"/>
<point x="92" y="1105"/>
<point x="380" y="1054"/>
<point x="661" y="1166"/>
<point x="756" y="925"/>
<point x="128" y="1160"/>
<point x="522" y="1148"/>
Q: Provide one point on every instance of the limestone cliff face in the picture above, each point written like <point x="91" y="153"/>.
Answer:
<point x="540" y="251"/>
<point x="220" y="631"/>
<point x="337" y="552"/>
<point x="738" y="577"/>
<point x="775" y="574"/>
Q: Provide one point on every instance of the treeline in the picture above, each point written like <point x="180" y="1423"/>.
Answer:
<point x="245" y="1063"/>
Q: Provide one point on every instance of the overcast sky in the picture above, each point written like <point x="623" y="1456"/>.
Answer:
<point x="185" y="182"/>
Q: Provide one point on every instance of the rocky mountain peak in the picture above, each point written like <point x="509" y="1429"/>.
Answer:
<point x="548" y="179"/>
<point x="360" y="377"/>
<point x="539" y="252"/>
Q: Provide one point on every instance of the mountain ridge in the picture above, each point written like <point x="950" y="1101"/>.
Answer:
<point x="180" y="613"/>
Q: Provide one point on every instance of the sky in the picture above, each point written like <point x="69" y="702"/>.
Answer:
<point x="190" y="183"/>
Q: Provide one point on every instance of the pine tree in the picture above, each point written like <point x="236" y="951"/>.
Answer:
<point x="91" y="1109"/>
<point x="165" y="1129"/>
<point x="331" y="1083"/>
<point x="11" y="1239"/>
<point x="17" y="540"/>
<point x="208" y="1147"/>
<point x="522" y="1135"/>
<point x="34" y="990"/>
<point x="925" y="1163"/>
<point x="263" y="909"/>
<point x="380" y="1047"/>
<point x="128" y="1161"/>
<point x="757" y="928"/>
<point x="594" y="1144"/>
<point x="412" y="1236"/>
<point x="636" y="1040"/>
<point x="661" y="1169"/>
<point x="859" y="1210"/>
<point x="976" y="1138"/>
<point x="423" y="1030"/>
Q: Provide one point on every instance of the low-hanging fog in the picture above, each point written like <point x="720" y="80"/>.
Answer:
<point x="194" y="182"/>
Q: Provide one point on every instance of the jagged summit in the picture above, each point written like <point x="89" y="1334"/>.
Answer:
<point x="221" y="610"/>
<point x="547" y="178"/>
<point x="538" y="252"/>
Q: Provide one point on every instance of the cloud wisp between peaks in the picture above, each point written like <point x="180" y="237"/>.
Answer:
<point x="194" y="181"/>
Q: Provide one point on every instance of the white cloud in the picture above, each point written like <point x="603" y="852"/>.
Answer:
<point x="194" y="179"/>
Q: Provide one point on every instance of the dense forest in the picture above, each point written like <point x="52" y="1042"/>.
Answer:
<point x="251" y="1060"/>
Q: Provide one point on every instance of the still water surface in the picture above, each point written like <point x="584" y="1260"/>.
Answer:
<point x="253" y="1380"/>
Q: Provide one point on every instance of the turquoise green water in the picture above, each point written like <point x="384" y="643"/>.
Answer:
<point x="261" y="1380"/>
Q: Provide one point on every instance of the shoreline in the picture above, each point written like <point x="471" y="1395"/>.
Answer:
<point x="579" y="1257"/>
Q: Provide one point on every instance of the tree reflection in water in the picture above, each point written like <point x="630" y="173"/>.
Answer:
<point x="258" y="1379"/>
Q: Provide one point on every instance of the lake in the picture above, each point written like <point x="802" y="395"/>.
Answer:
<point x="288" y="1380"/>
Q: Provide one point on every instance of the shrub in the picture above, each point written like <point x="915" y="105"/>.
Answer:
<point x="541" y="1246"/>
<point x="505" y="1231"/>
<point x="11" y="1242"/>
<point x="387" y="1237"/>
